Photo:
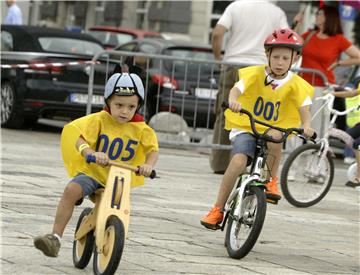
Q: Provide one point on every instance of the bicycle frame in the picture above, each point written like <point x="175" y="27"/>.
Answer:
<point x="256" y="175"/>
<point x="239" y="192"/>
<point x="107" y="203"/>
<point x="332" y="131"/>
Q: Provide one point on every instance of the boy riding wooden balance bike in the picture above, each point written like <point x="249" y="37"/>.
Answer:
<point x="118" y="134"/>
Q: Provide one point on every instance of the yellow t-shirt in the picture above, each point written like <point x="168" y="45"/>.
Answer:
<point x="353" y="117"/>
<point x="279" y="107"/>
<point x="129" y="142"/>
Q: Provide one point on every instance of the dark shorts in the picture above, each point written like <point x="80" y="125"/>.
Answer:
<point x="245" y="144"/>
<point x="88" y="184"/>
<point x="355" y="133"/>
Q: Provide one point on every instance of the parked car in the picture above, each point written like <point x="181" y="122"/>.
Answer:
<point x="111" y="37"/>
<point x="42" y="86"/>
<point x="186" y="88"/>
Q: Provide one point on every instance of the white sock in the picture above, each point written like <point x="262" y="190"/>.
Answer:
<point x="58" y="237"/>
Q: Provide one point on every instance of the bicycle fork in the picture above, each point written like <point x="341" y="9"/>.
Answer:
<point x="235" y="201"/>
<point x="324" y="148"/>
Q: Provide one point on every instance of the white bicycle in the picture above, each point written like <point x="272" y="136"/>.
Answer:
<point x="308" y="172"/>
<point x="245" y="209"/>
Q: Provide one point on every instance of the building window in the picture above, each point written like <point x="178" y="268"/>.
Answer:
<point x="141" y="13"/>
<point x="48" y="10"/>
<point x="217" y="10"/>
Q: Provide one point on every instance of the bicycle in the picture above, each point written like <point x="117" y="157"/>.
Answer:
<point x="308" y="172"/>
<point x="246" y="207"/>
<point x="107" y="223"/>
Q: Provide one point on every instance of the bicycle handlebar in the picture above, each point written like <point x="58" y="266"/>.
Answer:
<point x="91" y="158"/>
<point x="253" y="121"/>
<point x="329" y="98"/>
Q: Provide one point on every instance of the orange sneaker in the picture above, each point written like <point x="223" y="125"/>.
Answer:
<point x="213" y="218"/>
<point x="272" y="192"/>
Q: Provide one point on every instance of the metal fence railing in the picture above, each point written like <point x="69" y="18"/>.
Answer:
<point x="180" y="93"/>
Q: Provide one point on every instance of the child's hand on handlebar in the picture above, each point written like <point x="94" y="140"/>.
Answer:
<point x="235" y="106"/>
<point x="308" y="132"/>
<point x="101" y="158"/>
<point x="145" y="169"/>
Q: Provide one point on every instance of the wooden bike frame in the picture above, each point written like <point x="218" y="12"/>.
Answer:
<point x="114" y="200"/>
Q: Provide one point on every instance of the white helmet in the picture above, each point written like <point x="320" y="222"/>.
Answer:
<point x="124" y="84"/>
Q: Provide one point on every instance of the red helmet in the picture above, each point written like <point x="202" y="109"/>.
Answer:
<point x="284" y="38"/>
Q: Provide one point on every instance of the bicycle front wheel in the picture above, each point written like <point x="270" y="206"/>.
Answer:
<point x="241" y="235"/>
<point x="306" y="176"/>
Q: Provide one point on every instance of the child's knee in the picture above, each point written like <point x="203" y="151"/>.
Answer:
<point x="275" y="134"/>
<point x="73" y="191"/>
<point x="239" y="160"/>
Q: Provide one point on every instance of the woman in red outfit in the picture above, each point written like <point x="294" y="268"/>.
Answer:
<point x="324" y="46"/>
<point x="322" y="49"/>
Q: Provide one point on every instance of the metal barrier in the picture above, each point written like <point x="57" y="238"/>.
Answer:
<point x="180" y="94"/>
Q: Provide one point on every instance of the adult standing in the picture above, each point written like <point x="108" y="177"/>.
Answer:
<point x="322" y="51"/>
<point x="14" y="15"/>
<point x="248" y="24"/>
<point x="324" y="45"/>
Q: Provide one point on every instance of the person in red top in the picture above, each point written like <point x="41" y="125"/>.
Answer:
<point x="324" y="45"/>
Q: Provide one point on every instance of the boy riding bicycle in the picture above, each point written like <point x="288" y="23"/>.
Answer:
<point x="273" y="94"/>
<point x="116" y="133"/>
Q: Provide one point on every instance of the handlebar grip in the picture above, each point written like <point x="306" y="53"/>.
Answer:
<point x="225" y="105"/>
<point x="90" y="158"/>
<point x="153" y="174"/>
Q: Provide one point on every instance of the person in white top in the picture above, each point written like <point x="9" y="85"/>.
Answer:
<point x="248" y="23"/>
<point x="14" y="15"/>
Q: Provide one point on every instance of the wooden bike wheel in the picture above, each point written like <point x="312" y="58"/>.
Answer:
<point x="107" y="262"/>
<point x="83" y="248"/>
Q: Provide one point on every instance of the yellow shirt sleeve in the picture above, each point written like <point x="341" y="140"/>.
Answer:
<point x="149" y="140"/>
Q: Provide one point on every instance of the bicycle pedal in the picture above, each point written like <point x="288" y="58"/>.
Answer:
<point x="211" y="226"/>
<point x="272" y="201"/>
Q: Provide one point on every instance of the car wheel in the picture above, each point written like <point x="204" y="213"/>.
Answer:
<point x="9" y="116"/>
<point x="30" y="121"/>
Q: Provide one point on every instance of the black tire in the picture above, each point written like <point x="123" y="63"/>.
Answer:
<point x="11" y="117"/>
<point x="252" y="223"/>
<point x="30" y="121"/>
<point x="298" y="179"/>
<point x="107" y="262"/>
<point x="82" y="250"/>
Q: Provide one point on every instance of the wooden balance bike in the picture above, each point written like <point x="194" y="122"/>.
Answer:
<point x="107" y="223"/>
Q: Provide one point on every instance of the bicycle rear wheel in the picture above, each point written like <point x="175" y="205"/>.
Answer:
<point x="306" y="177"/>
<point x="242" y="235"/>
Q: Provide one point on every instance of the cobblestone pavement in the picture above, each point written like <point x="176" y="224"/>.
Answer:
<point x="165" y="236"/>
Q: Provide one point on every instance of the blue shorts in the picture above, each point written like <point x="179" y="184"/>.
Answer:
<point x="88" y="184"/>
<point x="245" y="144"/>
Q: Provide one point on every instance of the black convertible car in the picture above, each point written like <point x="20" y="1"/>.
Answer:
<point x="45" y="73"/>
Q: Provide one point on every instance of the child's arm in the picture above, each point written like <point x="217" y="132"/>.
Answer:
<point x="151" y="159"/>
<point x="344" y="94"/>
<point x="234" y="105"/>
<point x="83" y="147"/>
<point x="305" y="116"/>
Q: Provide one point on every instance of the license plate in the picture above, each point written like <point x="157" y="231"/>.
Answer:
<point x="206" y="93"/>
<point x="82" y="98"/>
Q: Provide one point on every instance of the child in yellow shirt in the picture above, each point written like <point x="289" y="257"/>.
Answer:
<point x="273" y="94"/>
